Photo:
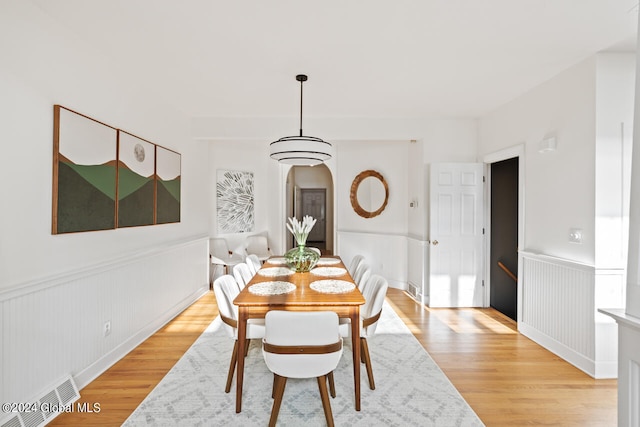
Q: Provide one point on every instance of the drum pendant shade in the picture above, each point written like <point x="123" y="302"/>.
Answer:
<point x="300" y="150"/>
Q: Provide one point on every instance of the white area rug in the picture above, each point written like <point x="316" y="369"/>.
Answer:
<point x="411" y="390"/>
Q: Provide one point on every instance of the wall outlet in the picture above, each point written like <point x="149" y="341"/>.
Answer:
<point x="575" y="235"/>
<point x="106" y="329"/>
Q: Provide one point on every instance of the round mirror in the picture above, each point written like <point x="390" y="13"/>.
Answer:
<point x="369" y="194"/>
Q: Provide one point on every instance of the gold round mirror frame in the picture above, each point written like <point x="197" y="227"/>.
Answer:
<point x="354" y="193"/>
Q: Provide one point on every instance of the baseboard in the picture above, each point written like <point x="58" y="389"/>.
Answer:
<point x="86" y="376"/>
<point x="397" y="284"/>
<point x="597" y="370"/>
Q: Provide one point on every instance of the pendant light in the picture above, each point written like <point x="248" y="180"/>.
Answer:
<point x="300" y="150"/>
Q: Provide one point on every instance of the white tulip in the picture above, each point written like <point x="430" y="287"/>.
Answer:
<point x="301" y="230"/>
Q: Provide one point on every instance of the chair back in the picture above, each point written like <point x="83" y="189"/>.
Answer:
<point x="253" y="262"/>
<point x="355" y="262"/>
<point x="374" y="293"/>
<point x="361" y="275"/>
<point x="258" y="245"/>
<point x="242" y="273"/>
<point x="218" y="248"/>
<point x="226" y="290"/>
<point x="308" y="344"/>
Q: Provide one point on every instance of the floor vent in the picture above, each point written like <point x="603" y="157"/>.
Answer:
<point x="40" y="411"/>
<point x="413" y="291"/>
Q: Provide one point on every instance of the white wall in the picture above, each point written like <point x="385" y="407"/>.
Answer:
<point x="583" y="184"/>
<point x="615" y="82"/>
<point x="381" y="144"/>
<point x="42" y="65"/>
<point x="390" y="159"/>
<point x="559" y="192"/>
<point x="248" y="156"/>
<point x="50" y="66"/>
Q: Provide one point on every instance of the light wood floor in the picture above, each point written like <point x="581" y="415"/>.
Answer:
<point x="506" y="378"/>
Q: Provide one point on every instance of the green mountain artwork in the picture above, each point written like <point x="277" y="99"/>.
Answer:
<point x="135" y="198"/>
<point x="86" y="197"/>
<point x="168" y="201"/>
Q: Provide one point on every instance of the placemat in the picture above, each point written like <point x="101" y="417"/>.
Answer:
<point x="328" y="261"/>
<point x="329" y="271"/>
<point x="274" y="272"/>
<point x="272" y="288"/>
<point x="332" y="286"/>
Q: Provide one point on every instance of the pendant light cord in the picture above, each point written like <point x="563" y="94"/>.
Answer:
<point x="301" y="81"/>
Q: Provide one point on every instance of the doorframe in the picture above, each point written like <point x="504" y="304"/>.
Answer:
<point x="497" y="156"/>
<point x="281" y="233"/>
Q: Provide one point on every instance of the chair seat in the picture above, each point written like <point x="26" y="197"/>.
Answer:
<point x="255" y="329"/>
<point x="231" y="260"/>
<point x="345" y="328"/>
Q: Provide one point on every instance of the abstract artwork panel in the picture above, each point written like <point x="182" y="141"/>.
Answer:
<point x="167" y="186"/>
<point x="136" y="181"/>
<point x="234" y="197"/>
<point x="84" y="166"/>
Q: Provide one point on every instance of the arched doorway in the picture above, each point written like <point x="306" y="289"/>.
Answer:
<point x="310" y="192"/>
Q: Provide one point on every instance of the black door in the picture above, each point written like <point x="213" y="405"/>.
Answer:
<point x="504" y="237"/>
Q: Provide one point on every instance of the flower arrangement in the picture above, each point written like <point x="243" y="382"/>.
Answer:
<point x="301" y="230"/>
<point x="301" y="259"/>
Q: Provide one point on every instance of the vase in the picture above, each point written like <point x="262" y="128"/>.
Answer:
<point x="301" y="259"/>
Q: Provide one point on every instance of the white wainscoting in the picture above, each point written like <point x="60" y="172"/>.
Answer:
<point x="54" y="327"/>
<point x="560" y="299"/>
<point x="386" y="254"/>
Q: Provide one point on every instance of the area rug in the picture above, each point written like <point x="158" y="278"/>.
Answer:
<point x="411" y="390"/>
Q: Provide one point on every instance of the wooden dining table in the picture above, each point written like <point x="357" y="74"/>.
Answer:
<point x="252" y="305"/>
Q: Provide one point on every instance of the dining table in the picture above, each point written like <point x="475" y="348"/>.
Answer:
<point x="327" y="287"/>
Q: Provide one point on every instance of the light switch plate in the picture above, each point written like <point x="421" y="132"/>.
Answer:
<point x="575" y="235"/>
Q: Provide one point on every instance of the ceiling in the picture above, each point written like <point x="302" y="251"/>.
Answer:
<point x="364" y="58"/>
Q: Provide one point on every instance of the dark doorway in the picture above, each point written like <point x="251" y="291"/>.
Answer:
<point x="504" y="237"/>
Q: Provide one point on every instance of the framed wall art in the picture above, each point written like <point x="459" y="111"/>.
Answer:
<point x="106" y="178"/>
<point x="234" y="201"/>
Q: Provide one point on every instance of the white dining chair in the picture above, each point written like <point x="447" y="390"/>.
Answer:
<point x="253" y="262"/>
<point x="361" y="275"/>
<point x="221" y="256"/>
<point x="242" y="274"/>
<point x="302" y="345"/>
<point x="374" y="294"/>
<point x="226" y="290"/>
<point x="316" y="250"/>
<point x="355" y="261"/>
<point x="258" y="245"/>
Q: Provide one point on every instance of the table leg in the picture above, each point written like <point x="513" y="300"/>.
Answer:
<point x="242" y="334"/>
<point x="355" y="345"/>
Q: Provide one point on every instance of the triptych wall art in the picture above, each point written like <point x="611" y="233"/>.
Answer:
<point x="105" y="178"/>
<point x="234" y="201"/>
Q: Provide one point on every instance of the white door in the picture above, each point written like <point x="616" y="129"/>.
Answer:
<point x="456" y="235"/>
